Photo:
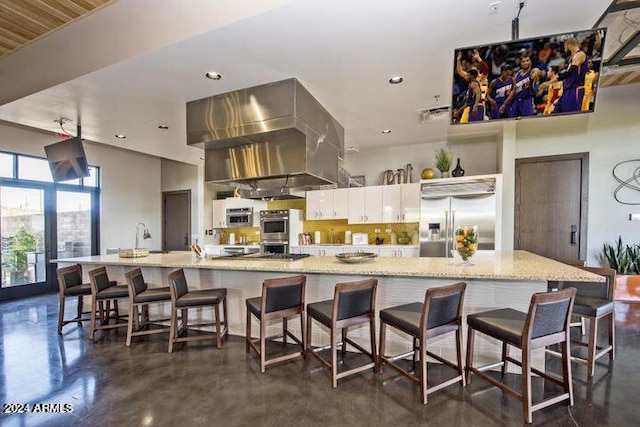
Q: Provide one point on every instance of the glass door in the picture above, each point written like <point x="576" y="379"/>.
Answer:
<point x="22" y="236"/>
<point x="74" y="224"/>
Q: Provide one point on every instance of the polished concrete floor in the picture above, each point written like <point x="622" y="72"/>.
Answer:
<point x="108" y="384"/>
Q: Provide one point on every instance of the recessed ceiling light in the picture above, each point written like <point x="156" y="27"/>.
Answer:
<point x="213" y="75"/>
<point x="120" y="136"/>
<point x="395" y="80"/>
<point x="386" y="131"/>
<point x="352" y="149"/>
<point x="163" y="127"/>
<point x="201" y="158"/>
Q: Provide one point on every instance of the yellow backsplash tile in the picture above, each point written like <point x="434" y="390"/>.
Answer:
<point x="339" y="227"/>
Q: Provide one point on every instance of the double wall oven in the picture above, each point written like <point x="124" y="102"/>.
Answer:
<point x="278" y="229"/>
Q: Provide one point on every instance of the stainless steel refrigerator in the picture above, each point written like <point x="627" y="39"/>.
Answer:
<point x="447" y="204"/>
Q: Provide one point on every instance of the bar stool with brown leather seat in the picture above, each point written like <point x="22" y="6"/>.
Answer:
<point x="70" y="285"/>
<point x="440" y="313"/>
<point x="546" y="323"/>
<point x="594" y="302"/>
<point x="140" y="296"/>
<point x="183" y="299"/>
<point x="353" y="304"/>
<point x="281" y="299"/>
<point x="103" y="292"/>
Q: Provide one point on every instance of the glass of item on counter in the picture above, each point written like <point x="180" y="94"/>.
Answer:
<point x="466" y="241"/>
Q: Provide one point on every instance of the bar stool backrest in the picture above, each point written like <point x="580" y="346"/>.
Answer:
<point x="282" y="294"/>
<point x="549" y="314"/>
<point x="136" y="282"/>
<point x="178" y="284"/>
<point x="354" y="299"/>
<point x="442" y="305"/>
<point x="99" y="279"/>
<point x="69" y="276"/>
<point x="594" y="289"/>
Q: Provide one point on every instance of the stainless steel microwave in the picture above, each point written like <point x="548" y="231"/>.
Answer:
<point x="240" y="217"/>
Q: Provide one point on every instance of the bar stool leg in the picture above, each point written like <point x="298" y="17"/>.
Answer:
<point x="284" y="331"/>
<point x="414" y="358"/>
<point x="248" y="333"/>
<point x="372" y="332"/>
<point x="344" y="341"/>
<point x="505" y="354"/>
<point x="60" y="313"/>
<point x="218" y="329"/>
<point x="459" y="353"/>
<point x="566" y="370"/>
<point x="303" y="335"/>
<point x="334" y="359"/>
<point x="612" y="336"/>
<point x="470" y="342"/>
<point x="383" y="333"/>
<point x="423" y="371"/>
<point x="308" y="335"/>
<point x="526" y="385"/>
<point x="593" y="334"/>
<point x="226" y="318"/>
<point x="92" y="327"/>
<point x="80" y="305"/>
<point x="130" y="322"/>
<point x="173" y="328"/>
<point x="263" y="345"/>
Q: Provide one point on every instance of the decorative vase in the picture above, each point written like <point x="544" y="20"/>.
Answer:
<point x="458" y="171"/>
<point x="466" y="242"/>
<point x="403" y="238"/>
<point x="428" y="173"/>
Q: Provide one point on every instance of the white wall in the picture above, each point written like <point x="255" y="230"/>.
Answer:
<point x="610" y="135"/>
<point x="130" y="185"/>
<point x="476" y="158"/>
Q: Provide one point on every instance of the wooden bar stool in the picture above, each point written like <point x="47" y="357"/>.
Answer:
<point x="183" y="299"/>
<point x="140" y="296"/>
<point x="281" y="299"/>
<point x="546" y="323"/>
<point x="103" y="292"/>
<point x="353" y="304"/>
<point x="70" y="285"/>
<point x="594" y="302"/>
<point x="440" y="313"/>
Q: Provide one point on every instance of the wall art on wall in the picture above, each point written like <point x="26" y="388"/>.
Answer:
<point x="627" y="173"/>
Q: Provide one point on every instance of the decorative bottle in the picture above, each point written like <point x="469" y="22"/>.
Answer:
<point x="458" y="171"/>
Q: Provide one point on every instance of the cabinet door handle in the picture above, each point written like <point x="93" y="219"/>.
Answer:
<point x="366" y="218"/>
<point x="335" y="214"/>
<point x="400" y="253"/>
<point x="320" y="214"/>
<point x="393" y="253"/>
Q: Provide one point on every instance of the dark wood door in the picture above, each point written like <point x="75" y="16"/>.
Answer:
<point x="176" y="215"/>
<point x="551" y="205"/>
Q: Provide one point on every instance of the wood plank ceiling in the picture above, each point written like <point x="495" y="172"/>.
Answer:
<point x="23" y="21"/>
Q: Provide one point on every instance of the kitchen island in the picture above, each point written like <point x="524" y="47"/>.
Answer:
<point x="500" y="279"/>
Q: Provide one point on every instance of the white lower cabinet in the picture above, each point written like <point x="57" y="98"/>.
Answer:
<point x="399" y="252"/>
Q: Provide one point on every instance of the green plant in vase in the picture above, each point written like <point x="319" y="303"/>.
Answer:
<point x="618" y="256"/>
<point x="443" y="161"/>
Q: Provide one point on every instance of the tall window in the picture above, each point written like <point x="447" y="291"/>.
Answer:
<point x="41" y="220"/>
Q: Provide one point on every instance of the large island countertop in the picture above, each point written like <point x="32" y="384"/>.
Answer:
<point x="512" y="265"/>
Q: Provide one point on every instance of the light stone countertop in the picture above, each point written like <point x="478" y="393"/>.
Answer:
<point x="508" y="265"/>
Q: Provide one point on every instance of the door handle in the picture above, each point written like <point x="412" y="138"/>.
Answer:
<point x="574" y="235"/>
<point x="186" y="239"/>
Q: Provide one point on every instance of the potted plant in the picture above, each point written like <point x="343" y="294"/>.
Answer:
<point x="625" y="260"/>
<point x="443" y="162"/>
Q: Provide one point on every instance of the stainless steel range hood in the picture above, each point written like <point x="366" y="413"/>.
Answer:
<point x="272" y="141"/>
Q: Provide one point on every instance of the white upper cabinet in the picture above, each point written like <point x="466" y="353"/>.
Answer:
<point x="219" y="214"/>
<point x="401" y="203"/>
<point x="340" y="203"/>
<point x="327" y="204"/>
<point x="410" y="202"/>
<point x="391" y="203"/>
<point x="365" y="205"/>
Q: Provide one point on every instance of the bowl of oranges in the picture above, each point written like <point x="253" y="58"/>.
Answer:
<point x="466" y="242"/>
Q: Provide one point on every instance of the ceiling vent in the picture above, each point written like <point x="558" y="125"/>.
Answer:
<point x="436" y="114"/>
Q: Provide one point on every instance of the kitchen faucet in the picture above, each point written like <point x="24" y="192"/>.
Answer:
<point x="145" y="234"/>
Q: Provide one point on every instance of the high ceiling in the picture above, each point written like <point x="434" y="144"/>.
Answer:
<point x="122" y="71"/>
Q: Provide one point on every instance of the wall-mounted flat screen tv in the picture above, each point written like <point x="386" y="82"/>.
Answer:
<point x="538" y="77"/>
<point x="67" y="160"/>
